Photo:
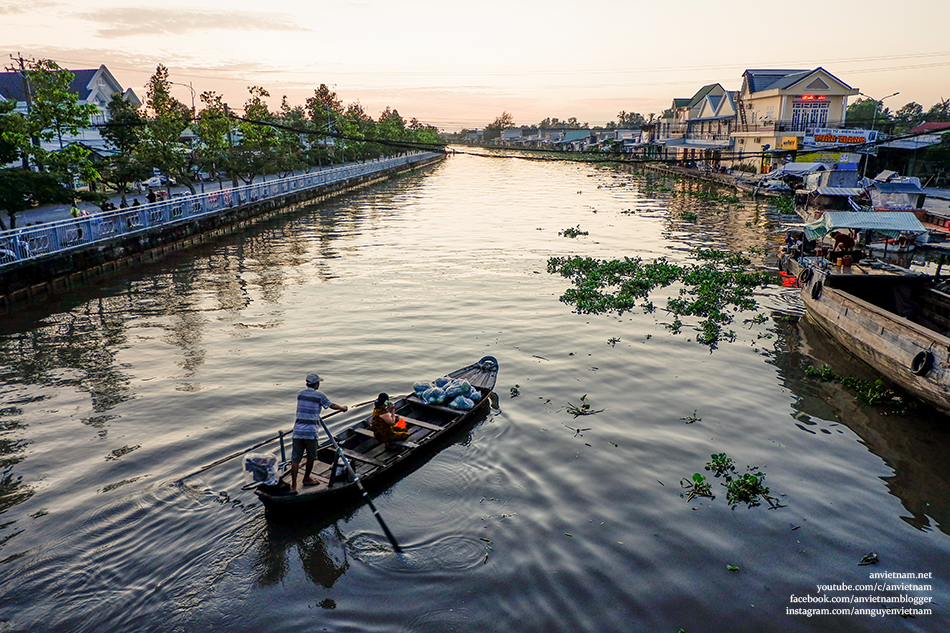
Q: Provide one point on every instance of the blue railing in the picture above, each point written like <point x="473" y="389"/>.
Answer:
<point x="33" y="242"/>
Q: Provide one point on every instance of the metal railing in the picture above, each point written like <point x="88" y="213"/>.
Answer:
<point x="17" y="245"/>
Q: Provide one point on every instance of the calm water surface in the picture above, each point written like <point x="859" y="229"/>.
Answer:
<point x="531" y="520"/>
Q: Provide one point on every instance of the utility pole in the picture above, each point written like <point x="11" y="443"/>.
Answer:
<point x="20" y="67"/>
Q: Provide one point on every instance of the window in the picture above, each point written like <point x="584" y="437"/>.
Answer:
<point x="806" y="114"/>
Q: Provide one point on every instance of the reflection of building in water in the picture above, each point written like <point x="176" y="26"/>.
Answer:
<point x="914" y="446"/>
<point x="322" y="553"/>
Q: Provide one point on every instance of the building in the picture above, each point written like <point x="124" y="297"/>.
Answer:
<point x="93" y="86"/>
<point x="776" y="107"/>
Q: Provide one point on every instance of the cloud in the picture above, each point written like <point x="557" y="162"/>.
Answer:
<point x="124" y="22"/>
<point x="33" y="7"/>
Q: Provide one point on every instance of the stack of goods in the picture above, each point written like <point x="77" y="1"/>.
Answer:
<point x="459" y="394"/>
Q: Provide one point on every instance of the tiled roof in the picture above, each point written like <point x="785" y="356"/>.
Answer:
<point x="763" y="79"/>
<point x="11" y="84"/>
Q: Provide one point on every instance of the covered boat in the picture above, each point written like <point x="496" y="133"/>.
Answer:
<point x="376" y="463"/>
<point x="894" y="319"/>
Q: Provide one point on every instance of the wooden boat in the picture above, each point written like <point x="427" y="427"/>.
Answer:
<point x="377" y="463"/>
<point x="891" y="246"/>
<point x="895" y="320"/>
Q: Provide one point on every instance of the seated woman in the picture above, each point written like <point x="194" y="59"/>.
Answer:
<point x="384" y="421"/>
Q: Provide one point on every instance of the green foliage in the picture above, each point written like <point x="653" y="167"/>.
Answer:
<point x="573" y="232"/>
<point x="161" y="145"/>
<point x="869" y="392"/>
<point x="13" y="132"/>
<point x="720" y="463"/>
<point x="124" y="132"/>
<point x="697" y="486"/>
<point x="22" y="188"/>
<point x="865" y="113"/>
<point x="784" y="205"/>
<point x="583" y="409"/>
<point x="501" y="123"/>
<point x="55" y="114"/>
<point x="747" y="488"/>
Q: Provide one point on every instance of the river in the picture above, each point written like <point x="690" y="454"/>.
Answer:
<point x="531" y="519"/>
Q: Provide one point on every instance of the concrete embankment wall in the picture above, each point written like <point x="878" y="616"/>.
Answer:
<point x="57" y="273"/>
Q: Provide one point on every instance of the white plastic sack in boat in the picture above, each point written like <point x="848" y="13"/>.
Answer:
<point x="461" y="402"/>
<point x="421" y="387"/>
<point x="442" y="381"/>
<point x="260" y="467"/>
<point x="434" y="396"/>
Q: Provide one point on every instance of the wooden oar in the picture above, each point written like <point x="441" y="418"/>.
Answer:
<point x="359" y="484"/>
<point x="248" y="450"/>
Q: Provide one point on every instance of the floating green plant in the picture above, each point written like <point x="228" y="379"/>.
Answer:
<point x="869" y="392"/>
<point x="573" y="231"/>
<point x="697" y="486"/>
<point x="720" y="463"/>
<point x="583" y="409"/>
<point x="748" y="488"/>
<point x="712" y="290"/>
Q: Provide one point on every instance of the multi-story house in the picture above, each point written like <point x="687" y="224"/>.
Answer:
<point x="95" y="86"/>
<point x="775" y="109"/>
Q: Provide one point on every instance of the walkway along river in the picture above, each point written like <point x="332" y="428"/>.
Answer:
<point x="531" y="519"/>
<point x="44" y="259"/>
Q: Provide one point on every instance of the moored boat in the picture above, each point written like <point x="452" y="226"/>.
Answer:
<point x="377" y="463"/>
<point x="893" y="319"/>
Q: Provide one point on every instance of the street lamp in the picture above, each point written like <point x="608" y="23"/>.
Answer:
<point x="191" y="88"/>
<point x="877" y="105"/>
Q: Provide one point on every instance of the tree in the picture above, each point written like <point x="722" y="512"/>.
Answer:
<point x="256" y="153"/>
<point x="56" y="114"/>
<point x="290" y="146"/>
<point x="124" y="132"/>
<point x="630" y="119"/>
<point x="908" y="116"/>
<point x="161" y="145"/>
<point x="21" y="189"/>
<point x="939" y="112"/>
<point x="13" y="132"/>
<point x="213" y="128"/>
<point x="866" y="113"/>
<point x="501" y="123"/>
<point x="324" y="109"/>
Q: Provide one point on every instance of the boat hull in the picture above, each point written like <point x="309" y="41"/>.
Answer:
<point x="431" y="429"/>
<point x="914" y="357"/>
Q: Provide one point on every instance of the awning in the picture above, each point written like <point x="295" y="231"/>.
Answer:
<point x="839" y="191"/>
<point x="890" y="223"/>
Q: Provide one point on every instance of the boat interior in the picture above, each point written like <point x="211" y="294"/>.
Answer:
<point x="366" y="454"/>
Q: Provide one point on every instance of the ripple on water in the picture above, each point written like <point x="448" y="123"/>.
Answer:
<point x="444" y="555"/>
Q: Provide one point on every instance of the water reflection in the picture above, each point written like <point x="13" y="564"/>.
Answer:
<point x="320" y="549"/>
<point x="913" y="446"/>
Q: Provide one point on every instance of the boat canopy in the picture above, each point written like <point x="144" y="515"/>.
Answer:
<point x="890" y="223"/>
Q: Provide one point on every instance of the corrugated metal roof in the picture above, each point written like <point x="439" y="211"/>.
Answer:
<point x="891" y="223"/>
<point x="839" y="191"/>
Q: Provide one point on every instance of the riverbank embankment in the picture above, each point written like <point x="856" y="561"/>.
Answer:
<point x="52" y="258"/>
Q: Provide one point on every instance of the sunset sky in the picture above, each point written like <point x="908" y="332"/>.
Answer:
<point x="455" y="65"/>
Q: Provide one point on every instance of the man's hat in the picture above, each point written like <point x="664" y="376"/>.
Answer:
<point x="312" y="379"/>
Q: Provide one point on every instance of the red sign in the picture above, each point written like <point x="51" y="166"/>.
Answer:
<point x="812" y="97"/>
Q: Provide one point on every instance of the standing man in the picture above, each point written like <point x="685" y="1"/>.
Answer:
<point x="310" y="402"/>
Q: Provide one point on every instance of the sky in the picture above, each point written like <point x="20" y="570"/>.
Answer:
<point x="460" y="65"/>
